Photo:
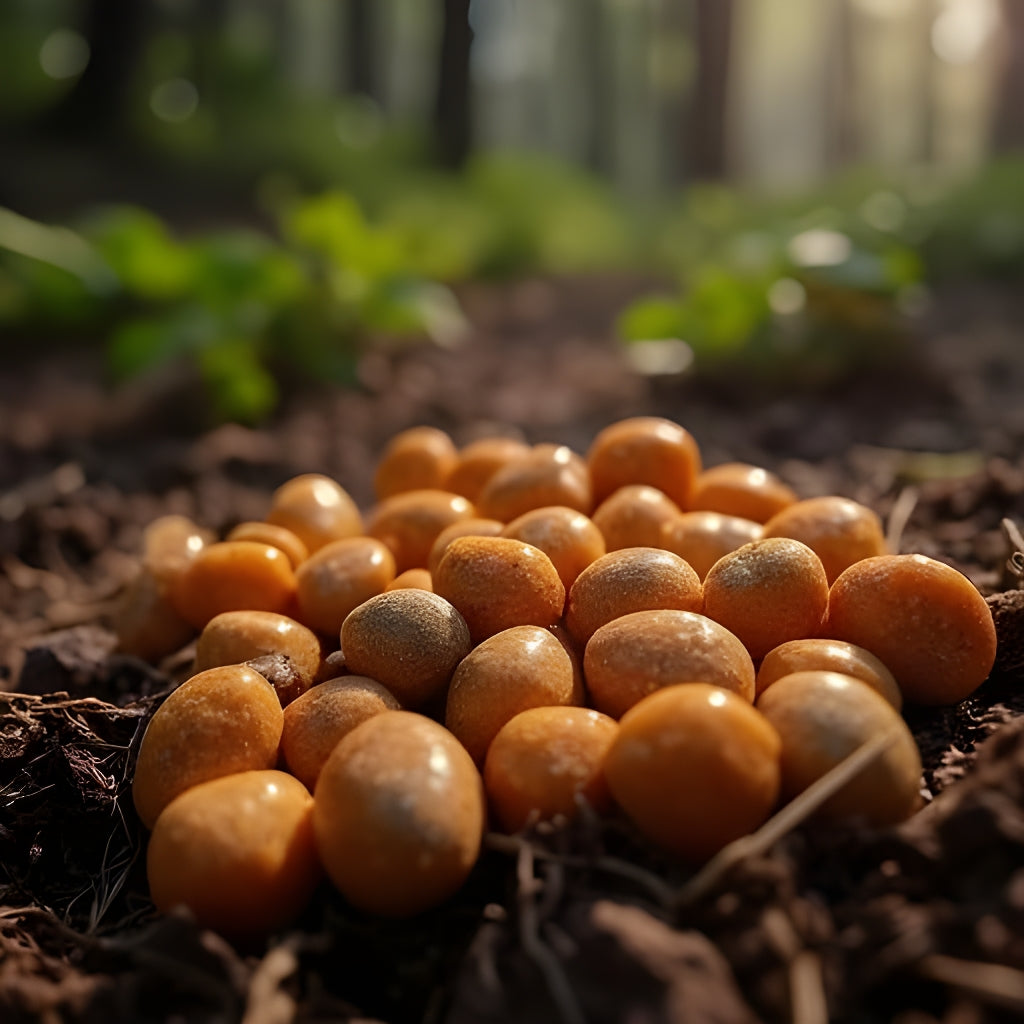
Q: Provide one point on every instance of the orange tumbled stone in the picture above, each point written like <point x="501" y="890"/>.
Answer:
<point x="645" y="450"/>
<point x="410" y="640"/>
<point x="695" y="767"/>
<point x="702" y="538"/>
<point x="474" y="527"/>
<point x="238" y="852"/>
<point x="544" y="761"/>
<point x="632" y="656"/>
<point x="630" y="580"/>
<point x="569" y="538"/>
<point x="925" y="620"/>
<point x="399" y="814"/>
<point x="549" y="475"/>
<point x="233" y="637"/>
<point x="317" y="721"/>
<point x="409" y="523"/>
<point x="219" y="722"/>
<point x="479" y="460"/>
<point x="275" y="536"/>
<point x="822" y="718"/>
<point x="412" y="579"/>
<point x="518" y="668"/>
<point x="235" y="575"/>
<point x="420" y="458"/>
<point x="340" y="576"/>
<point x="823" y="655"/>
<point x="768" y="592"/>
<point x="738" y="489"/>
<point x="634" y="517"/>
<point x="839" y="531"/>
<point x="316" y="509"/>
<point x="497" y="583"/>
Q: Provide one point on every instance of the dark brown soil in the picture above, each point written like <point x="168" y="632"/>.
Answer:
<point x="921" y="923"/>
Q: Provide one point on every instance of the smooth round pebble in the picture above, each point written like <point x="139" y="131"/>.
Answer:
<point x="479" y="460"/>
<point x="824" y="655"/>
<point x="695" y="767"/>
<point x="408" y="640"/>
<point x="632" y="656"/>
<point x="235" y="575"/>
<point x="219" y="722"/>
<point x="340" y="576"/>
<point x="742" y="490"/>
<point x="420" y="458"/>
<point x="768" y="592"/>
<point x="549" y="475"/>
<point x="626" y="581"/>
<point x="409" y="523"/>
<point x="497" y="583"/>
<point x="822" y="718"/>
<point x="544" y="761"/>
<point x="839" y="531"/>
<point x="475" y="527"/>
<point x="238" y="852"/>
<point x="634" y="517"/>
<point x="399" y="814"/>
<point x="519" y="668"/>
<point x="317" y="721"/>
<point x="233" y="637"/>
<point x="316" y="509"/>
<point x="276" y="536"/>
<point x="644" y="450"/>
<point x="702" y="538"/>
<point x="569" y="538"/>
<point x="925" y="620"/>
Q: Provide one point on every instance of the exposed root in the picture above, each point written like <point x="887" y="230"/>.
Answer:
<point x="562" y="994"/>
<point x="647" y="880"/>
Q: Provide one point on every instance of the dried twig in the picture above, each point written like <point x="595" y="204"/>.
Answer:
<point x="994" y="983"/>
<point x="664" y="894"/>
<point x="267" y="1002"/>
<point x="808" y="1004"/>
<point x="793" y="814"/>
<point x="899" y="515"/>
<point x="1015" y="540"/>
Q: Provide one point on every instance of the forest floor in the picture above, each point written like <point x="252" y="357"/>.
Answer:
<point x="587" y="924"/>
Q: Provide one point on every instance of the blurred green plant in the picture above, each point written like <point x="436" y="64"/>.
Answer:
<point x="242" y="307"/>
<point x="814" y="286"/>
<point x="805" y="287"/>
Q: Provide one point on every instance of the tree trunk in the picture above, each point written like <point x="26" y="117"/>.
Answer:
<point x="841" y="129"/>
<point x="1008" y="127"/>
<point x="98" y="106"/>
<point x="708" y="107"/>
<point x="598" y="90"/>
<point x="362" y="39"/>
<point x="452" y="113"/>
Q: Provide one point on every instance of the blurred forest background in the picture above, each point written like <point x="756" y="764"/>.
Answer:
<point x="252" y="183"/>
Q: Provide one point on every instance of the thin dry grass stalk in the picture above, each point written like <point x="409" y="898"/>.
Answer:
<point x="993" y="983"/>
<point x="793" y="814"/>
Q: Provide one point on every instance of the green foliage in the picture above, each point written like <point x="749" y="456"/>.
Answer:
<point x="509" y="214"/>
<point x="548" y="216"/>
<point x="240" y="306"/>
<point x="807" y="287"/>
<point x="818" y="284"/>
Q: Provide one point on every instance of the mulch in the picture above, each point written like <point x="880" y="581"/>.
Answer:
<point x="919" y="923"/>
